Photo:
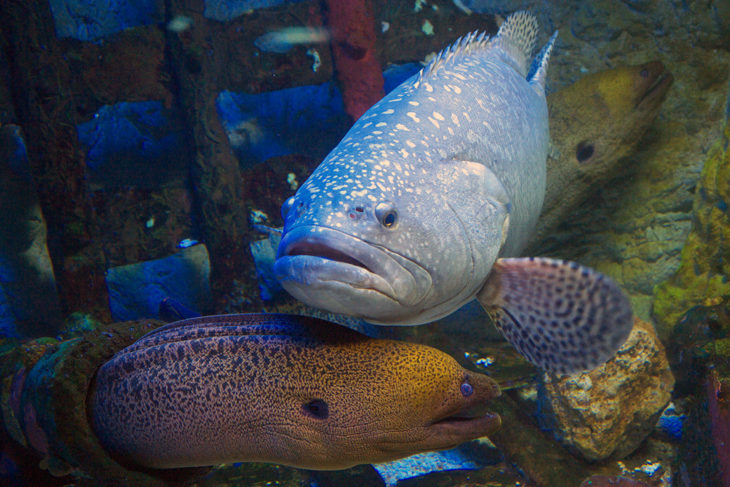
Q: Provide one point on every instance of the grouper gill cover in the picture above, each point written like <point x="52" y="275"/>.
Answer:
<point x="403" y="220"/>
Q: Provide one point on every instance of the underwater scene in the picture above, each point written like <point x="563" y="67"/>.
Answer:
<point x="322" y="243"/>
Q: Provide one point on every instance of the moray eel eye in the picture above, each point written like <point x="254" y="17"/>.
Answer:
<point x="466" y="389"/>
<point x="386" y="214"/>
<point x="584" y="151"/>
<point x="316" y="408"/>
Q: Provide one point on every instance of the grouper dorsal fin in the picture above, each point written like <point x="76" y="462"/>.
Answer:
<point x="462" y="46"/>
<point x="517" y="37"/>
<point x="538" y="69"/>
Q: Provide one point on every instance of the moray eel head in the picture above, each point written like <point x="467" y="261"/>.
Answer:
<point x="411" y="399"/>
<point x="282" y="389"/>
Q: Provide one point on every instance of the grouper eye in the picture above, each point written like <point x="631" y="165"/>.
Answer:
<point x="316" y="408"/>
<point x="386" y="214"/>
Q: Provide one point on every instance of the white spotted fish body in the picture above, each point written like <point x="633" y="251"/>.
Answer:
<point x="404" y="220"/>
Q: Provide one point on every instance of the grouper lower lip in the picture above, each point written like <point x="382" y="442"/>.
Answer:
<point x="320" y="257"/>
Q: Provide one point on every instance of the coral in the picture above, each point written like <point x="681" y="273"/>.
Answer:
<point x="354" y="53"/>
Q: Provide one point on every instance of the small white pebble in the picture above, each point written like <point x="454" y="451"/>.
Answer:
<point x="315" y="56"/>
<point x="427" y="28"/>
<point x="291" y="178"/>
<point x="258" y="216"/>
<point x="485" y="362"/>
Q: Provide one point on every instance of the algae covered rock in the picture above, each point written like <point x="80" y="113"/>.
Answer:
<point x="700" y="356"/>
<point x="705" y="262"/>
<point x="609" y="411"/>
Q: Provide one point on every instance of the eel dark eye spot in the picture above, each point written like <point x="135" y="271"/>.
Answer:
<point x="466" y="389"/>
<point x="386" y="214"/>
<point x="584" y="151"/>
<point x="316" y="408"/>
<point x="644" y="73"/>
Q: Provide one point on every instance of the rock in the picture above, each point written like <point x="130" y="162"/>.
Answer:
<point x="609" y="411"/>
<point x="699" y="351"/>
<point x="138" y="144"/>
<point x="88" y="21"/>
<point x="224" y="10"/>
<point x="606" y="481"/>
<point x="695" y="343"/>
<point x="705" y="263"/>
<point x="718" y="407"/>
<point x="136" y="290"/>
<point x="29" y="305"/>
<point x="281" y="122"/>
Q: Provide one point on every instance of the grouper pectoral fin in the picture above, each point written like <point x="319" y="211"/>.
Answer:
<point x="561" y="316"/>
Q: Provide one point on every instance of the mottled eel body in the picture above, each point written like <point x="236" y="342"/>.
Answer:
<point x="283" y="389"/>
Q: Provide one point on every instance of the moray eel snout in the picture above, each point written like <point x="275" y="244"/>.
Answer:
<point x="282" y="389"/>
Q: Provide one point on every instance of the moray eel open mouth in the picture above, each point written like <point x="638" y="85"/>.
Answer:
<point x="463" y="421"/>
<point x="485" y="424"/>
<point x="655" y="81"/>
<point x="326" y="268"/>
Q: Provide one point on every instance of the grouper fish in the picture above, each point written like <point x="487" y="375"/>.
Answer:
<point x="283" y="389"/>
<point x="432" y="193"/>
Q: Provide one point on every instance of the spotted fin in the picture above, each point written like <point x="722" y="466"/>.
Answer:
<point x="517" y="36"/>
<point x="538" y="70"/>
<point x="561" y="316"/>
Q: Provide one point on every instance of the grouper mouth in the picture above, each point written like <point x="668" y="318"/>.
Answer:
<point x="312" y="261"/>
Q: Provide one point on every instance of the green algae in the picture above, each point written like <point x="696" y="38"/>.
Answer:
<point x="705" y="257"/>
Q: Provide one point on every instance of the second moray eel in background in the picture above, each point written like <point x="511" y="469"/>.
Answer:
<point x="282" y="389"/>
<point x="594" y="124"/>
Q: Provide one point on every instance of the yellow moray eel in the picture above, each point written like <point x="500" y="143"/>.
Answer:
<point x="283" y="389"/>
<point x="595" y="123"/>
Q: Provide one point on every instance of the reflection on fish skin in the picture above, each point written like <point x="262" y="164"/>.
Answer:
<point x="283" y="389"/>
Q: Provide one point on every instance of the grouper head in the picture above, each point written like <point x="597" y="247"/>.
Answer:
<point x="404" y="248"/>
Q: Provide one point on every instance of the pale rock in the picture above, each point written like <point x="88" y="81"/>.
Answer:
<point x="609" y="411"/>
